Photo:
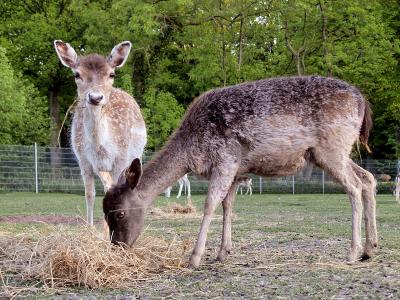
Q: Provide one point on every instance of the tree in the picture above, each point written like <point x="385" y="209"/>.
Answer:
<point x="29" y="30"/>
<point x="22" y="113"/>
<point x="182" y="48"/>
<point x="162" y="114"/>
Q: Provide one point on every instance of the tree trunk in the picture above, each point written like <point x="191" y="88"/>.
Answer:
<point x="303" y="65"/>
<point x="240" y="58"/>
<point x="298" y="54"/>
<point x="298" y="63"/>
<point x="325" y="38"/>
<point x="140" y="70"/>
<point x="307" y="170"/>
<point x="223" y="63"/>
<point x="55" y="124"/>
<point x="223" y="54"/>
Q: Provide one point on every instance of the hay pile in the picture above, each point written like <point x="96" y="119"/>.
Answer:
<point x="174" y="209"/>
<point x="58" y="258"/>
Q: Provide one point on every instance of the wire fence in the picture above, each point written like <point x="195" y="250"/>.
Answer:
<point x="46" y="169"/>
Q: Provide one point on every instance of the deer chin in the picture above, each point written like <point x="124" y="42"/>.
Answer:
<point x="94" y="103"/>
<point x="125" y="240"/>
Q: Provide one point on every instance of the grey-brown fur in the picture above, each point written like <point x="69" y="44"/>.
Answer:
<point x="267" y="127"/>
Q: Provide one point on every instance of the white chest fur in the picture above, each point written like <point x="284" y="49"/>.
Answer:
<point x="100" y="147"/>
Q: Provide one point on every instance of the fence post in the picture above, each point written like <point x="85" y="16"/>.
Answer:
<point x="36" y="170"/>
<point x="323" y="182"/>
<point x="293" y="184"/>
<point x="260" y="185"/>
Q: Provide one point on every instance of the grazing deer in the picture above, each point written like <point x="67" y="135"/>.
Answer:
<point x="267" y="127"/>
<point x="107" y="130"/>
<point x="183" y="183"/>
<point x="244" y="181"/>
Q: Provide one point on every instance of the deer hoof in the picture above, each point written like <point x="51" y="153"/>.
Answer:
<point x="195" y="261"/>
<point x="356" y="254"/>
<point x="369" y="250"/>
<point x="222" y="255"/>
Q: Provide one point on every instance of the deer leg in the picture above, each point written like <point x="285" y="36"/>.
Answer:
<point x="220" y="182"/>
<point x="106" y="179"/>
<point x="251" y="191"/>
<point x="188" y="189"/>
<point x="167" y="191"/>
<point x="341" y="169"/>
<point x="90" y="193"/>
<point x="369" y="203"/>
<point x="180" y="190"/>
<point x="226" y="243"/>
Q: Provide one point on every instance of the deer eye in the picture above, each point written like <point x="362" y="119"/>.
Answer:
<point x="120" y="215"/>
<point x="112" y="75"/>
<point x="77" y="75"/>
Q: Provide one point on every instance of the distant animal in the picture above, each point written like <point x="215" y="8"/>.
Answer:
<point x="384" y="177"/>
<point x="184" y="183"/>
<point x="244" y="182"/>
<point x="267" y="127"/>
<point x="108" y="130"/>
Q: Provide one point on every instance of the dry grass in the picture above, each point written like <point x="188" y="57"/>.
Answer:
<point x="57" y="258"/>
<point x="174" y="209"/>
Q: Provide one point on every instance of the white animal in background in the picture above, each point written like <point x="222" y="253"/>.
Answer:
<point x="244" y="182"/>
<point x="108" y="130"/>
<point x="183" y="183"/>
<point x="397" y="188"/>
<point x="167" y="192"/>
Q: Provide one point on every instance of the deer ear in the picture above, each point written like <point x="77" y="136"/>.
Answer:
<point x="133" y="173"/>
<point x="119" y="54"/>
<point x="66" y="54"/>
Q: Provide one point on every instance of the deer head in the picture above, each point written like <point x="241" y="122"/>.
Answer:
<point x="94" y="74"/>
<point x="123" y="207"/>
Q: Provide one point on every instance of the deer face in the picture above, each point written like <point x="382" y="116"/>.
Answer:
<point x="123" y="208"/>
<point x="94" y="74"/>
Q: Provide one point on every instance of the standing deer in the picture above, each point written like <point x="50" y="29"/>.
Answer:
<point x="183" y="183"/>
<point x="267" y="127"/>
<point x="108" y="130"/>
<point x="244" y="182"/>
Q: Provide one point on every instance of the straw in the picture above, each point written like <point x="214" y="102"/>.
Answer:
<point x="56" y="258"/>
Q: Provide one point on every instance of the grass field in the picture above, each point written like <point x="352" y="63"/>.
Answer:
<point x="285" y="246"/>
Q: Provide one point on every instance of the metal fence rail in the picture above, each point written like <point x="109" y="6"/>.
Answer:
<point x="46" y="169"/>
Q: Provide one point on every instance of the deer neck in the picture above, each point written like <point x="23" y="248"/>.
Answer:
<point x="95" y="124"/>
<point x="162" y="171"/>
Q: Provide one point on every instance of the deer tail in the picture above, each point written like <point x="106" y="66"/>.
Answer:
<point x="366" y="126"/>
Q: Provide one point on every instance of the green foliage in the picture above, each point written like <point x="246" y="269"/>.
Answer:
<point x="162" y="115"/>
<point x="22" y="113"/>
<point x="182" y="48"/>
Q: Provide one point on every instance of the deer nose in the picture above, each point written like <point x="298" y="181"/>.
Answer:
<point x="95" y="98"/>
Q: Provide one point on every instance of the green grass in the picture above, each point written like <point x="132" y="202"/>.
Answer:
<point x="288" y="246"/>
